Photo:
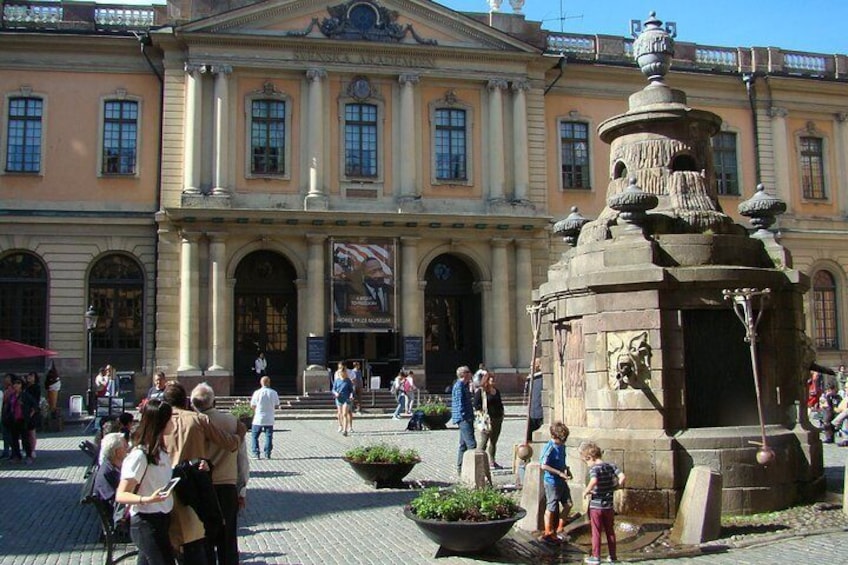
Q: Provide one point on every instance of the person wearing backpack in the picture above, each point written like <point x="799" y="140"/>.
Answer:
<point x="397" y="390"/>
<point x="409" y="392"/>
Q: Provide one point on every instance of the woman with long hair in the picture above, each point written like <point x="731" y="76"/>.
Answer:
<point x="32" y="387"/>
<point x="146" y="470"/>
<point x="343" y="393"/>
<point x="495" y="408"/>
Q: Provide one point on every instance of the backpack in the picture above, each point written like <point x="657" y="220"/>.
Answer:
<point x="416" y="422"/>
<point x="407" y="386"/>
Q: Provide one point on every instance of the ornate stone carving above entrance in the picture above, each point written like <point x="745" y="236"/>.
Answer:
<point x="629" y="360"/>
<point x="366" y="19"/>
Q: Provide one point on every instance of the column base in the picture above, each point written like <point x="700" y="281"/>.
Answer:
<point x="318" y="202"/>
<point x="221" y="191"/>
<point x="191" y="190"/>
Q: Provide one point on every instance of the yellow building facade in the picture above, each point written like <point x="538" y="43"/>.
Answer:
<point x="368" y="181"/>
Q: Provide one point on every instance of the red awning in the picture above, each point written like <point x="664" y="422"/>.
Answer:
<point x="16" y="350"/>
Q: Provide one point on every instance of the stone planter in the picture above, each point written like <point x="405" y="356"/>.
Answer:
<point x="247" y="421"/>
<point x="382" y="474"/>
<point x="465" y="537"/>
<point x="437" y="421"/>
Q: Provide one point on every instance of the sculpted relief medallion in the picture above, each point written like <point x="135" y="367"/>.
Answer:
<point x="629" y="360"/>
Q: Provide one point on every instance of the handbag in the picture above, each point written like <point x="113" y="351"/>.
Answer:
<point x="482" y="422"/>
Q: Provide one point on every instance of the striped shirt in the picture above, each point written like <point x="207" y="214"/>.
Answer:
<point x="607" y="475"/>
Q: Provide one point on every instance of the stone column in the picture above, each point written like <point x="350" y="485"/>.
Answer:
<point x="302" y="329"/>
<point x="315" y="197"/>
<point x="519" y="140"/>
<point x="780" y="143"/>
<point x="189" y="303"/>
<point x="316" y="293"/>
<point x="192" y="130"/>
<point x="840" y="184"/>
<point x="500" y="310"/>
<point x="496" y="139"/>
<point x="488" y="321"/>
<point x="220" y="160"/>
<point x="523" y="294"/>
<point x="408" y="166"/>
<point x="412" y="314"/>
<point x="219" y="300"/>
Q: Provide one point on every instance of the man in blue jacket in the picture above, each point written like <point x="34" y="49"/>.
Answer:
<point x="462" y="414"/>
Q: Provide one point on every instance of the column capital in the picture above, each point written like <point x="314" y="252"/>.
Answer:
<point x="496" y="85"/>
<point x="221" y="69"/>
<point x="525" y="243"/>
<point x="316" y="238"/>
<point x="195" y="68"/>
<point x="500" y="242"/>
<point x="315" y="75"/>
<point x="409" y="79"/>
<point x="522" y="85"/>
<point x="777" y="112"/>
<point x="217" y="236"/>
<point x="409" y="240"/>
<point x="189" y="236"/>
<point x="841" y="117"/>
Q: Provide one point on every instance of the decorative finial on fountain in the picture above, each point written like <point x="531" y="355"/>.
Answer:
<point x="654" y="47"/>
<point x="763" y="209"/>
<point x="570" y="226"/>
<point x="632" y="205"/>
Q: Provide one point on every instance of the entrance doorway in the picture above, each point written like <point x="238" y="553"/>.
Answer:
<point x="378" y="351"/>
<point x="453" y="323"/>
<point x="265" y="320"/>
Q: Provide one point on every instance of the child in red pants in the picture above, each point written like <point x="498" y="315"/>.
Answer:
<point x="604" y="478"/>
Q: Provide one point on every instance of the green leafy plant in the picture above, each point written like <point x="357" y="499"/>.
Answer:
<point x="464" y="504"/>
<point x="242" y="409"/>
<point x="382" y="453"/>
<point x="434" y="406"/>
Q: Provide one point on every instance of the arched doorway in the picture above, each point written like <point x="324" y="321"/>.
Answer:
<point x="23" y="299"/>
<point x="116" y="291"/>
<point x="265" y="320"/>
<point x="453" y="322"/>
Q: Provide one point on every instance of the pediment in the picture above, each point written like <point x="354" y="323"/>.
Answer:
<point x="404" y="22"/>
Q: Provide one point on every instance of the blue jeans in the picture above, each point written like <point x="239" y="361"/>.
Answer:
<point x="401" y="400"/>
<point x="269" y="439"/>
<point x="466" y="440"/>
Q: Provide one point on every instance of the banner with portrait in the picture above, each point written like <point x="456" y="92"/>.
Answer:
<point x="362" y="289"/>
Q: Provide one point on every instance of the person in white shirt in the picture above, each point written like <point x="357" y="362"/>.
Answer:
<point x="260" y="366"/>
<point x="264" y="401"/>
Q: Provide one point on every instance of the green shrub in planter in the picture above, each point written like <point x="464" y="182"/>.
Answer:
<point x="464" y="504"/>
<point x="382" y="453"/>
<point x="434" y="407"/>
<point x="242" y="410"/>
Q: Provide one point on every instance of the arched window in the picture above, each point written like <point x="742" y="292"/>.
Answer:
<point x="116" y="290"/>
<point x="824" y="311"/>
<point x="23" y="299"/>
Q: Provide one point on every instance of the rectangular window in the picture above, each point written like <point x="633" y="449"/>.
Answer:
<point x="812" y="168"/>
<point x="120" y="137"/>
<point x="267" y="137"/>
<point x="724" y="158"/>
<point x="23" y="150"/>
<point x="574" y="145"/>
<point x="450" y="145"/>
<point x="360" y="140"/>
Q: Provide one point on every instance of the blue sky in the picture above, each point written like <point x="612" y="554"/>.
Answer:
<point x="817" y="26"/>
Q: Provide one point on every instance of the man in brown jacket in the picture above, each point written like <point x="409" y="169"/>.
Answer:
<point x="229" y="474"/>
<point x="188" y="441"/>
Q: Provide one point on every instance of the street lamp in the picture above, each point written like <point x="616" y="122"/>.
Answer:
<point x="90" y="317"/>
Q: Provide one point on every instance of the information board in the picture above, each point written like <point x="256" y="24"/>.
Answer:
<point x="413" y="350"/>
<point x="316" y="351"/>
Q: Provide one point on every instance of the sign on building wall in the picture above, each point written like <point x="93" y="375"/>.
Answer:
<point x="363" y="286"/>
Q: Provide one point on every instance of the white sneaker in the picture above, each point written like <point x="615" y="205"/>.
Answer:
<point x="592" y="560"/>
<point x="339" y="430"/>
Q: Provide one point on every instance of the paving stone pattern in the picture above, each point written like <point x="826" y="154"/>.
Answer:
<point x="307" y="506"/>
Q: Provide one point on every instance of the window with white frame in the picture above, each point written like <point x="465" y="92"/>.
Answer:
<point x="360" y="138"/>
<point x="574" y="154"/>
<point x="267" y="137"/>
<point x="725" y="162"/>
<point x="23" y="135"/>
<point x="120" y="137"/>
<point x="451" y="144"/>
<point x="812" y="167"/>
<point x="824" y="311"/>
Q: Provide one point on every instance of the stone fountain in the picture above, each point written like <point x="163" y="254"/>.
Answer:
<point x="643" y="354"/>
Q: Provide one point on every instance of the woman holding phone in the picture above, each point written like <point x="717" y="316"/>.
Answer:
<point x="146" y="470"/>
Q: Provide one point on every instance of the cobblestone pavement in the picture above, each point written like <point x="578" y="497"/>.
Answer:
<point x="306" y="506"/>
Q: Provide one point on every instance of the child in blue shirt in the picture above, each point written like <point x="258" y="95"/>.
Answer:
<point x="552" y="462"/>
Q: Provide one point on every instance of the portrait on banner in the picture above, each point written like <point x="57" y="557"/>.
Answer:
<point x="363" y="285"/>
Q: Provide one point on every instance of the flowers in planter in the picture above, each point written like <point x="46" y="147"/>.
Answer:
<point x="464" y="504"/>
<point x="382" y="453"/>
<point x="242" y="410"/>
<point x="434" y="406"/>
